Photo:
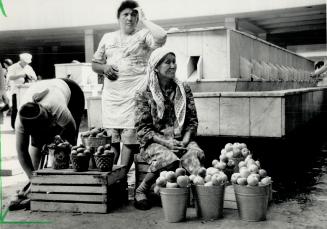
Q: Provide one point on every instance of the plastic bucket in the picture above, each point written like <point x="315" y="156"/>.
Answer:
<point x="209" y="201"/>
<point x="174" y="203"/>
<point x="252" y="202"/>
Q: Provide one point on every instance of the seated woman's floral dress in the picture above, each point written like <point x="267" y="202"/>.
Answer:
<point x="148" y="125"/>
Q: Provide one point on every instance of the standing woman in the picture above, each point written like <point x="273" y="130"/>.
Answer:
<point x="166" y="123"/>
<point x="122" y="58"/>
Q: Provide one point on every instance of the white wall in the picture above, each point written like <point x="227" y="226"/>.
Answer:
<point x="42" y="14"/>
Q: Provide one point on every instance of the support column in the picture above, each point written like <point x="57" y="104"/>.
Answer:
<point x="88" y="44"/>
<point x="231" y="23"/>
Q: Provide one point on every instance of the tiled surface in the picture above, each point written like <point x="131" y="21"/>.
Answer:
<point x="266" y="117"/>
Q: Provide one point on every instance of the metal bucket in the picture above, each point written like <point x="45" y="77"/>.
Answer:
<point x="174" y="203"/>
<point x="252" y="202"/>
<point x="209" y="201"/>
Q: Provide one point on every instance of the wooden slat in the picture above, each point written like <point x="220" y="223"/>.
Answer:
<point x="48" y="171"/>
<point x="69" y="179"/>
<point x="68" y="207"/>
<point x="69" y="189"/>
<point x="230" y="204"/>
<point x="68" y="197"/>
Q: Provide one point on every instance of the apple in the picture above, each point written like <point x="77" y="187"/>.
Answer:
<point x="223" y="158"/>
<point x="100" y="149"/>
<point x="229" y="155"/>
<point x="244" y="172"/>
<point x="223" y="177"/>
<point x="253" y="168"/>
<point x="241" y="164"/>
<point x="243" y="146"/>
<point x="180" y="172"/>
<point x="163" y="174"/>
<point x="262" y="173"/>
<point x="192" y="176"/>
<point x="207" y="178"/>
<point x="202" y="172"/>
<point x="161" y="182"/>
<point x="229" y="147"/>
<point x="87" y="151"/>
<point x="212" y="170"/>
<point x="266" y="180"/>
<point x="241" y="181"/>
<point x="171" y="185"/>
<point x="171" y="177"/>
<point x="252" y="180"/>
<point x="223" y="152"/>
<point x="215" y="180"/>
<point x="231" y="163"/>
<point x="208" y="184"/>
<point x="257" y="163"/>
<point x="234" y="177"/>
<point x="250" y="162"/>
<point x="236" y="152"/>
<point x="221" y="165"/>
<point x="183" y="181"/>
<point x="214" y="162"/>
<point x="245" y="152"/>
<point x="74" y="152"/>
<point x="198" y="180"/>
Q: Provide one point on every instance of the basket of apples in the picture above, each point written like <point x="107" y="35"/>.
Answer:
<point x="59" y="152"/>
<point x="252" y="189"/>
<point x="95" y="137"/>
<point x="174" y="193"/>
<point x="208" y="191"/>
<point x="104" y="158"/>
<point x="80" y="157"/>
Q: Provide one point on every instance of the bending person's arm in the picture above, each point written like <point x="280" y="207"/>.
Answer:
<point x="22" y="144"/>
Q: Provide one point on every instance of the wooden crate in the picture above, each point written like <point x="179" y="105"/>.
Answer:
<point x="229" y="199"/>
<point x="68" y="191"/>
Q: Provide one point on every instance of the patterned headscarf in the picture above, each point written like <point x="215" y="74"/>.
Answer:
<point x="180" y="96"/>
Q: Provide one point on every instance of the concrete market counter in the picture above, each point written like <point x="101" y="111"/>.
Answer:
<point x="247" y="114"/>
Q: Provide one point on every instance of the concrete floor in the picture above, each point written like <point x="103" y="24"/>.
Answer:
<point x="288" y="214"/>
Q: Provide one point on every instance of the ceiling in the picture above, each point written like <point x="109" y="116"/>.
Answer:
<point x="294" y="26"/>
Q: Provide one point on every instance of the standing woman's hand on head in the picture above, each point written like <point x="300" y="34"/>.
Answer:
<point x="141" y="14"/>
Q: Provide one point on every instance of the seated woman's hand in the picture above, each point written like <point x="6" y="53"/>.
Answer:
<point x="175" y="146"/>
<point x="110" y="71"/>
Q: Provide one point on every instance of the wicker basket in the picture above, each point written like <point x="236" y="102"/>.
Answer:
<point x="60" y="159"/>
<point x="96" y="141"/>
<point x="80" y="163"/>
<point x="104" y="162"/>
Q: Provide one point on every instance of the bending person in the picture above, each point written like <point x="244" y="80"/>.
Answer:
<point x="49" y="108"/>
<point x="122" y="58"/>
<point x="166" y="123"/>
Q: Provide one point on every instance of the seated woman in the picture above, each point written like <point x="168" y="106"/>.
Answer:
<point x="166" y="123"/>
<point x="49" y="107"/>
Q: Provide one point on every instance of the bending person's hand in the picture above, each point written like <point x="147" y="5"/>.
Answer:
<point x="110" y="71"/>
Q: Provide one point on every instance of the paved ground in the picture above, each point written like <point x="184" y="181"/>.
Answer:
<point x="292" y="213"/>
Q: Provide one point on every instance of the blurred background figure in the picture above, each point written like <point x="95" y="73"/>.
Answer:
<point x="19" y="73"/>
<point x="320" y="73"/>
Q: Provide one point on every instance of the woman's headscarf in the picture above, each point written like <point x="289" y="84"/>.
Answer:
<point x="180" y="96"/>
